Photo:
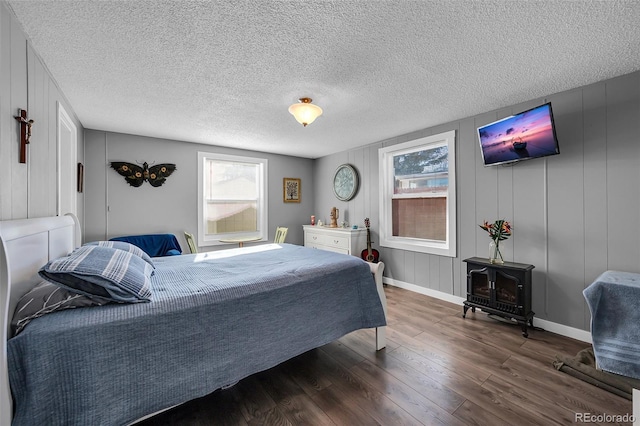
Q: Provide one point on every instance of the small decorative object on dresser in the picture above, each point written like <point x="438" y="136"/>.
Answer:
<point x="291" y="190"/>
<point x="345" y="182"/>
<point x="334" y="217"/>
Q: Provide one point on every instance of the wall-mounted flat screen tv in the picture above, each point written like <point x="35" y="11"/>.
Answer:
<point x="529" y="134"/>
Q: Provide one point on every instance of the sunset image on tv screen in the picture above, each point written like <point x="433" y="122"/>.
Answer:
<point x="526" y="135"/>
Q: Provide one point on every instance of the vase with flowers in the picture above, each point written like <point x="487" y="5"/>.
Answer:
<point x="498" y="231"/>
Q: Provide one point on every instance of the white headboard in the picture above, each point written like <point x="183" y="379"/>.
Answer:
<point x="25" y="246"/>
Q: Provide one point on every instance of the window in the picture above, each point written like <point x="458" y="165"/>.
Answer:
<point x="418" y="202"/>
<point x="232" y="200"/>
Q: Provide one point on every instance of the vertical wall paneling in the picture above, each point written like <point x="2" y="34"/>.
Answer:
<point x="394" y="261"/>
<point x="445" y="274"/>
<point x="575" y="215"/>
<point x="565" y="209"/>
<point x="595" y="186"/>
<point x="373" y="194"/>
<point x="528" y="241"/>
<point x="27" y="189"/>
<point x="623" y="172"/>
<point x="38" y="158"/>
<point x="7" y="123"/>
<point x="467" y="152"/>
<point x="421" y="269"/>
<point x="365" y="195"/>
<point x="505" y="194"/>
<point x="52" y="149"/>
<point x="486" y="192"/>
<point x="529" y="230"/>
<point x="409" y="267"/>
<point x="18" y="81"/>
<point x="434" y="271"/>
<point x="355" y="212"/>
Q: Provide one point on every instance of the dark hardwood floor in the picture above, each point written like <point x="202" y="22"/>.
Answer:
<point x="437" y="369"/>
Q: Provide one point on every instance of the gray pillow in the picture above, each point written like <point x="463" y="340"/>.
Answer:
<point x="45" y="298"/>
<point x="106" y="272"/>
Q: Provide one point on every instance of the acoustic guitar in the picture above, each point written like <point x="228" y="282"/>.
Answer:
<point x="369" y="254"/>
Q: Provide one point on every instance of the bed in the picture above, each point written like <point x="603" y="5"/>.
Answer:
<point x="214" y="318"/>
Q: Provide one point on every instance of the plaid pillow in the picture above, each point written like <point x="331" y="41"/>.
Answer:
<point x="106" y="272"/>
<point x="121" y="245"/>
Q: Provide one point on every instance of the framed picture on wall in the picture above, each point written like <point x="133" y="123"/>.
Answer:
<point x="291" y="190"/>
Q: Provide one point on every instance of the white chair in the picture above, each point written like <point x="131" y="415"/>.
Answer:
<point x="281" y="235"/>
<point x="191" y="242"/>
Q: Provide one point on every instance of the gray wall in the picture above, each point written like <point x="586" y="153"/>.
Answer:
<point x="28" y="190"/>
<point x="114" y="208"/>
<point x="575" y="215"/>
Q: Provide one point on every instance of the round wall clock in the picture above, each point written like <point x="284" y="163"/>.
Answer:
<point x="345" y="182"/>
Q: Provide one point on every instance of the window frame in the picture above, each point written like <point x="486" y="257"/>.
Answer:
<point x="262" y="205"/>
<point x="386" y="181"/>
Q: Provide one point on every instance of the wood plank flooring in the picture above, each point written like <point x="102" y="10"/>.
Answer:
<point x="437" y="369"/>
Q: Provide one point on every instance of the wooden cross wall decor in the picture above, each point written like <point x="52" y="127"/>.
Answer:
<point x="25" y="133"/>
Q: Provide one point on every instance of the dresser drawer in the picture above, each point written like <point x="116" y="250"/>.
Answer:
<point x="339" y="241"/>
<point x="313" y="245"/>
<point x="313" y="238"/>
<point x="327" y="248"/>
<point x="334" y="249"/>
<point x="336" y="241"/>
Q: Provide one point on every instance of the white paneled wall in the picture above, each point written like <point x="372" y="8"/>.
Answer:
<point x="28" y="189"/>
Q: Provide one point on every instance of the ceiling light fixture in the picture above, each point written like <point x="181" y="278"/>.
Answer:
<point x="305" y="112"/>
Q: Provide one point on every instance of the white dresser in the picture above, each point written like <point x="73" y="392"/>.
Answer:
<point x="341" y="240"/>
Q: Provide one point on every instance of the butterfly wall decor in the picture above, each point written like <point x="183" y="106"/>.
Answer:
<point x="135" y="175"/>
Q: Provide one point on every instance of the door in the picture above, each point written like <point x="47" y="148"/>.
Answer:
<point x="67" y="163"/>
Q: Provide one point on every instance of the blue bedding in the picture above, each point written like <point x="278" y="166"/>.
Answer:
<point x="155" y="245"/>
<point x="613" y="301"/>
<point x="214" y="318"/>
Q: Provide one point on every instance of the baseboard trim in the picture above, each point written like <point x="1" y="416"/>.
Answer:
<point x="564" y="330"/>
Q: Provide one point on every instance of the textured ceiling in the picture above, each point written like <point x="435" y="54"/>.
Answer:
<point x="225" y="72"/>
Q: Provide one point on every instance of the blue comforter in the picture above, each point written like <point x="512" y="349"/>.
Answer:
<point x="154" y="245"/>
<point x="214" y="319"/>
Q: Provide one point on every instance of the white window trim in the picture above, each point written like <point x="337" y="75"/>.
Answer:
<point x="263" y="196"/>
<point x="385" y="162"/>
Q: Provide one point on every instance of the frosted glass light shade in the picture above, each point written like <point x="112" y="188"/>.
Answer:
<point x="305" y="112"/>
